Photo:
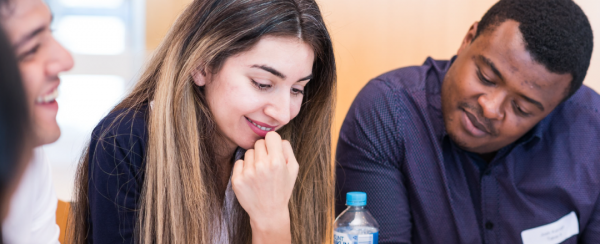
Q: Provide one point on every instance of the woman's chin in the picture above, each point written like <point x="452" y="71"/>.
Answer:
<point x="248" y="143"/>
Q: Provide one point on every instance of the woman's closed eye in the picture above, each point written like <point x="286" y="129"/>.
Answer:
<point x="264" y="87"/>
<point x="260" y="86"/>
<point x="296" y="91"/>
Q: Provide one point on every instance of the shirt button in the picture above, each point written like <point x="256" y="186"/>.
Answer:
<point x="489" y="225"/>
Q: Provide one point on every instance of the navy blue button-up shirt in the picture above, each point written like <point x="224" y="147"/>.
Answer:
<point x="423" y="188"/>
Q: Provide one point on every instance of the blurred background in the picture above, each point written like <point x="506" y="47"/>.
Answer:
<point x="111" y="39"/>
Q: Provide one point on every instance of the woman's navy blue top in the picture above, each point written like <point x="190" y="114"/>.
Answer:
<point x="116" y="174"/>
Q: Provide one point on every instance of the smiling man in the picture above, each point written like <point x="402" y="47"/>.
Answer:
<point x="498" y="145"/>
<point x="31" y="218"/>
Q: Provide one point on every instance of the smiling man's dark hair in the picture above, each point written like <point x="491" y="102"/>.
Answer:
<point x="556" y="33"/>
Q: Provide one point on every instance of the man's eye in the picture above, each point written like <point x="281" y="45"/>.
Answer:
<point x="29" y="53"/>
<point x="520" y="110"/>
<point x="483" y="79"/>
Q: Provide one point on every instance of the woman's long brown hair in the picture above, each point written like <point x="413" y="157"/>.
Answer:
<point x="180" y="193"/>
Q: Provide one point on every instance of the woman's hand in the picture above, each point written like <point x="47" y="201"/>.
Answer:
<point x="263" y="184"/>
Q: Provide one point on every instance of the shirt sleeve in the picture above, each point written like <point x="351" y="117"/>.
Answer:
<point x="369" y="155"/>
<point x="116" y="161"/>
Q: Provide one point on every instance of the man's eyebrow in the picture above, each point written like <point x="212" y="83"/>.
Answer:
<point x="32" y="34"/>
<point x="492" y="66"/>
<point x="29" y="36"/>
<point x="270" y="70"/>
<point x="536" y="103"/>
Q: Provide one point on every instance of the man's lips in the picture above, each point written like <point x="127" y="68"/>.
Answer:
<point x="48" y="97"/>
<point x="476" y="122"/>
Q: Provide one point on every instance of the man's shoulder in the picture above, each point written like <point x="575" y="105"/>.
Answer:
<point x="412" y="78"/>
<point x="585" y="98"/>
<point x="395" y="98"/>
<point x="404" y="89"/>
<point x="578" y="116"/>
<point x="585" y="103"/>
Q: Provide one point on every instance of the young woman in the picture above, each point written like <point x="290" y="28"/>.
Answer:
<point x="228" y="74"/>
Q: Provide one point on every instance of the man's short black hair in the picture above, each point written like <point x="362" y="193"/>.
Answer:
<point x="557" y="34"/>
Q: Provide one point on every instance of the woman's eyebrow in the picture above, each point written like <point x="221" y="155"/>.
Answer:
<point x="270" y="70"/>
<point x="306" y="78"/>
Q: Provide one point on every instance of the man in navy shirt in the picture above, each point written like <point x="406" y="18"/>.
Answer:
<point x="498" y="145"/>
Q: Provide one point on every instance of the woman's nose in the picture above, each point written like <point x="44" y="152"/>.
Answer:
<point x="279" y="108"/>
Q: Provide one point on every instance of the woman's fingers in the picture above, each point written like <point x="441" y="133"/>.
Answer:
<point x="290" y="158"/>
<point x="260" y="149"/>
<point x="248" y="165"/>
<point x="264" y="181"/>
<point x="237" y="172"/>
<point x="274" y="147"/>
<point x="288" y="152"/>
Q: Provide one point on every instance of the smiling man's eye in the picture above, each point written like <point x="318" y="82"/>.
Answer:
<point x="29" y="53"/>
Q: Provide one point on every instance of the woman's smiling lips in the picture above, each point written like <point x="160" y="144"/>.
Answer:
<point x="261" y="129"/>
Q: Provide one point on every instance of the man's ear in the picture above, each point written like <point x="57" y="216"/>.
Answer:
<point x="468" y="38"/>
<point x="199" y="76"/>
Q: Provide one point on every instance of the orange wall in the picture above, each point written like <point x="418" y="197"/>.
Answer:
<point x="160" y="15"/>
<point x="374" y="36"/>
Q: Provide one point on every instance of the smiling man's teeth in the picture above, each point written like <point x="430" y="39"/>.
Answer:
<point x="260" y="127"/>
<point x="47" y="98"/>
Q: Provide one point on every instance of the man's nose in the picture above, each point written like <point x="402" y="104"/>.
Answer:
<point x="492" y="105"/>
<point x="59" y="59"/>
<point x="279" y="108"/>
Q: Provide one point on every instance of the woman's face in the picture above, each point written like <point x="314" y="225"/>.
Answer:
<point x="259" y="90"/>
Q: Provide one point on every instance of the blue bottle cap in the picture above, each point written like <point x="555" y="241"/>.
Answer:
<point x="356" y="198"/>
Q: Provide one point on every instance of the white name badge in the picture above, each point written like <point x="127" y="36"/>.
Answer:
<point x="552" y="233"/>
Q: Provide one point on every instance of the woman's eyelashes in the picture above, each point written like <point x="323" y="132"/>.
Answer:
<point x="296" y="91"/>
<point x="260" y="86"/>
<point x="264" y="87"/>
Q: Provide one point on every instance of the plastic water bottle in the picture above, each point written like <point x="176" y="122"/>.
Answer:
<point x="356" y="225"/>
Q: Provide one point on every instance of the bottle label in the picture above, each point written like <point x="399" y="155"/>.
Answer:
<point x="345" y="238"/>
